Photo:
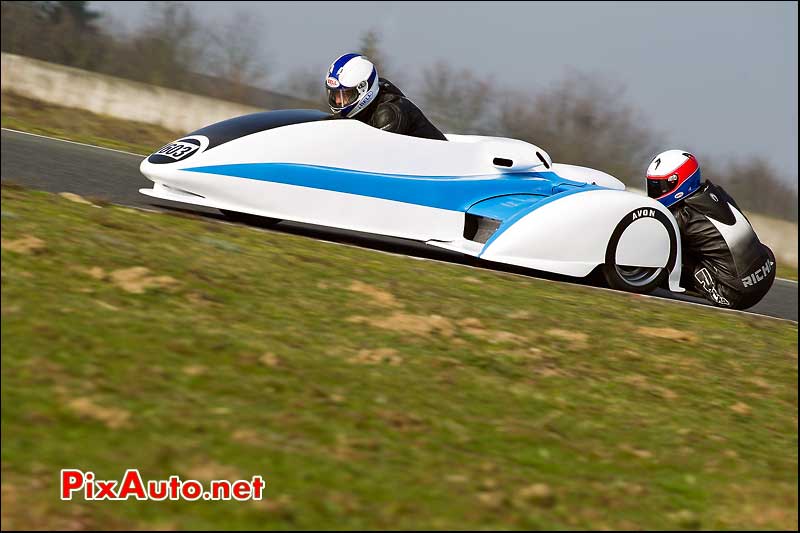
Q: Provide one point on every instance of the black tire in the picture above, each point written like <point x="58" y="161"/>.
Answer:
<point x="641" y="280"/>
<point x="250" y="220"/>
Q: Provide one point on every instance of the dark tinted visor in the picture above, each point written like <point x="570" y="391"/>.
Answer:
<point x="658" y="188"/>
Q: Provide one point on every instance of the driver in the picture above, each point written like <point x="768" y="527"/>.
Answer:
<point x="722" y="256"/>
<point x="355" y="91"/>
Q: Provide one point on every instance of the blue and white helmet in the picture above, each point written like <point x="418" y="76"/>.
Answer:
<point x="352" y="83"/>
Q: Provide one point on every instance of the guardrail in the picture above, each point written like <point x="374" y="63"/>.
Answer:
<point x="115" y="97"/>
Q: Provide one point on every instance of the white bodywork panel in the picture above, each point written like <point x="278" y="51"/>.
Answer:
<point x="353" y="145"/>
<point x="366" y="149"/>
<point x="643" y="243"/>
<point x="569" y="235"/>
<point x="330" y="208"/>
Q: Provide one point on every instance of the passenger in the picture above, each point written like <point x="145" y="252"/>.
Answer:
<point x="722" y="257"/>
<point x="356" y="91"/>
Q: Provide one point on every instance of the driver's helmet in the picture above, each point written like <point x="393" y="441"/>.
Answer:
<point x="352" y="83"/>
<point x="672" y="176"/>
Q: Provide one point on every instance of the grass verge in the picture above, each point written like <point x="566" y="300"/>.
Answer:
<point x="34" y="116"/>
<point x="787" y="272"/>
<point x="371" y="390"/>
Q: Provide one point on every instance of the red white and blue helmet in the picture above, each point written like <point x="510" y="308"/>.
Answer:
<point x="352" y="83"/>
<point x="672" y="176"/>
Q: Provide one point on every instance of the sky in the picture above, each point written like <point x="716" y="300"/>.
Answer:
<point x="716" y="78"/>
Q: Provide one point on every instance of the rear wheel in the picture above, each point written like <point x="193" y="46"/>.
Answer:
<point x="640" y="279"/>
<point x="251" y="220"/>
<point x="634" y="279"/>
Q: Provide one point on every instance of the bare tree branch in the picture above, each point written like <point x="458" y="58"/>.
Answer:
<point x="370" y="46"/>
<point x="586" y="121"/>
<point x="456" y="100"/>
<point x="234" y="53"/>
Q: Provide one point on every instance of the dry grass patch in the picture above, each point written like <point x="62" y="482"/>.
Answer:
<point x="376" y="296"/>
<point x="760" y="506"/>
<point x="25" y="245"/>
<point x="668" y="333"/>
<point x="377" y="356"/>
<point x="72" y="197"/>
<point x="195" y="370"/>
<point x="270" y="359"/>
<point x="112" y="417"/>
<point x="209" y="470"/>
<point x="641" y="382"/>
<point x="96" y="272"/>
<point x="246" y="436"/>
<point x="408" y="323"/>
<point x="539" y="494"/>
<point x="741" y="408"/>
<point x="636" y="452"/>
<point x="137" y="280"/>
<point x="474" y="327"/>
<point x="576" y="339"/>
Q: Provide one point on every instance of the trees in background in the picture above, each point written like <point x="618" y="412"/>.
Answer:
<point x="165" y="51"/>
<point x="20" y="21"/>
<point x="170" y="50"/>
<point x="77" y="11"/>
<point x="234" y="53"/>
<point x="755" y="185"/>
<point x="586" y="121"/>
<point x="306" y="82"/>
<point x="370" y="45"/>
<point x="456" y="100"/>
<point x="309" y="82"/>
<point x="62" y="32"/>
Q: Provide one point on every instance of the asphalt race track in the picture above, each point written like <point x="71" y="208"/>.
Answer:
<point x="60" y="166"/>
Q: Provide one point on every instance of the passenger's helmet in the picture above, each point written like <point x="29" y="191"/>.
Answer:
<point x="672" y="176"/>
<point x="352" y="83"/>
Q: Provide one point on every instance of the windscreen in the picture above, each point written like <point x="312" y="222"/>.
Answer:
<point x="237" y="127"/>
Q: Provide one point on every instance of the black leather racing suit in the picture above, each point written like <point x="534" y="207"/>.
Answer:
<point x="392" y="111"/>
<point x="722" y="256"/>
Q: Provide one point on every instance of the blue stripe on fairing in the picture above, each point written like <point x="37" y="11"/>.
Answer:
<point x="455" y="193"/>
<point x="503" y="207"/>
<point x="560" y="192"/>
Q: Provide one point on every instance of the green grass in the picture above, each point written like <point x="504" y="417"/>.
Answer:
<point x="787" y="272"/>
<point x="372" y="390"/>
<point x="34" y="116"/>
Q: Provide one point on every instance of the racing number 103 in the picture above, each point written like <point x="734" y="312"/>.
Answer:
<point x="176" y="150"/>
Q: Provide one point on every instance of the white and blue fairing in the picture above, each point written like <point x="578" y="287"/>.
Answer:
<point x="500" y="199"/>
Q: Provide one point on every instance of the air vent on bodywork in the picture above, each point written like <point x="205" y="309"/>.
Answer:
<point x="479" y="229"/>
<point x="502" y="162"/>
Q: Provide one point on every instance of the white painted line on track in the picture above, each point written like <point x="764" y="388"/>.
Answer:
<point x="74" y="142"/>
